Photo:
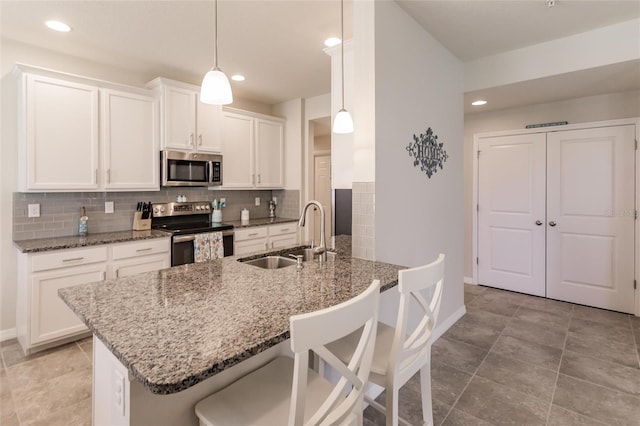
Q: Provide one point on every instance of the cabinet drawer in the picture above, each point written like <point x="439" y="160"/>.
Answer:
<point x="285" y="228"/>
<point x="66" y="258"/>
<point x="250" y="246"/>
<point x="250" y="233"/>
<point x="140" y="248"/>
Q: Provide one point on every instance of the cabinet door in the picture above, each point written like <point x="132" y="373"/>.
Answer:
<point x="269" y="146"/>
<point x="208" y="138"/>
<point x="51" y="318"/>
<point x="139" y="265"/>
<point x="283" y="241"/>
<point x="179" y="118"/>
<point x="61" y="135"/>
<point x="237" y="141"/>
<point x="130" y="141"/>
<point x="249" y="246"/>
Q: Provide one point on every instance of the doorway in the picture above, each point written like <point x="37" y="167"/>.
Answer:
<point x="321" y="172"/>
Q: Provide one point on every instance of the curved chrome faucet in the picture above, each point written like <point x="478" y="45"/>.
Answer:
<point x="321" y="250"/>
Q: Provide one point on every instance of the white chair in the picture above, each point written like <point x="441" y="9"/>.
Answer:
<point x="399" y="352"/>
<point x="287" y="392"/>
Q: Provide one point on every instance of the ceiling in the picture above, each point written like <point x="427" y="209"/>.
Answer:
<point x="278" y="45"/>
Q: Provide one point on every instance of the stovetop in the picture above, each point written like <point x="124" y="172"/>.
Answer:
<point x="181" y="228"/>
<point x="185" y="218"/>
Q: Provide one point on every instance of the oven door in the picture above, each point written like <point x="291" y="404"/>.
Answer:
<point x="182" y="250"/>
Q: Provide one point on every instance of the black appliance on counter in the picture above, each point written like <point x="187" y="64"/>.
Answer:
<point x="184" y="221"/>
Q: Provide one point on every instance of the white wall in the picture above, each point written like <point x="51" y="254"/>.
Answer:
<point x="419" y="84"/>
<point x="593" y="108"/>
<point x="293" y="137"/>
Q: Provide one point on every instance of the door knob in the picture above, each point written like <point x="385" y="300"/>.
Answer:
<point x="538" y="222"/>
<point x="552" y="223"/>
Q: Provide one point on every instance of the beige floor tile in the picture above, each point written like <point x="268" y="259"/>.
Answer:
<point x="602" y="347"/>
<point x="7" y="407"/>
<point x="78" y="414"/>
<point x="562" y="417"/>
<point x="38" y="401"/>
<point x="532" y="353"/>
<point x="470" y="331"/>
<point x="602" y="316"/>
<point x="87" y="347"/>
<point x="54" y="364"/>
<point x="460" y="418"/>
<point x="609" y="374"/>
<point x="460" y="355"/>
<point x="12" y="353"/>
<point x="536" y="333"/>
<point x="447" y="383"/>
<point x="4" y="384"/>
<point x="622" y="335"/>
<point x="547" y="319"/>
<point x="10" y="420"/>
<point x="552" y="306"/>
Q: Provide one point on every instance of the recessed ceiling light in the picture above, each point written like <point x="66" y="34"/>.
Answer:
<point x="478" y="102"/>
<point x="332" y="41"/>
<point x="58" y="26"/>
<point x="237" y="77"/>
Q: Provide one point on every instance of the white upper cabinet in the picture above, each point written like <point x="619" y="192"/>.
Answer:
<point x="129" y="140"/>
<point x="59" y="122"/>
<point x="253" y="149"/>
<point x="187" y="124"/>
<point x="78" y="134"/>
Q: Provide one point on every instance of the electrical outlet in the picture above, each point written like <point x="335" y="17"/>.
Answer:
<point x="257" y="201"/>
<point x="33" y="210"/>
<point x="108" y="206"/>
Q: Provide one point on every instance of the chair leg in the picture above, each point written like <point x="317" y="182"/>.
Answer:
<point x="425" y="392"/>
<point x="392" y="406"/>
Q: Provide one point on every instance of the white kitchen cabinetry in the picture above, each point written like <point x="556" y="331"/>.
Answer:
<point x="130" y="122"/>
<point x="78" y="134"/>
<point x="260" y="238"/>
<point x="253" y="150"/>
<point x="43" y="320"/>
<point x="138" y="257"/>
<point x="59" y="128"/>
<point x="187" y="124"/>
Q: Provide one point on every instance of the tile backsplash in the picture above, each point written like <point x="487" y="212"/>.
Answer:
<point x="363" y="228"/>
<point x="60" y="212"/>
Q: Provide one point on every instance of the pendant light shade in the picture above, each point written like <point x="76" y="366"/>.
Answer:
<point x="342" y="123"/>
<point x="215" y="88"/>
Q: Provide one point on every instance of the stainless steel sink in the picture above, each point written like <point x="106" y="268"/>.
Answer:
<point x="270" y="262"/>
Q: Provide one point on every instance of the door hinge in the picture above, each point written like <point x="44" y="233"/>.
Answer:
<point x="477" y="207"/>
<point x="635" y="214"/>
<point x="477" y="260"/>
<point x="478" y="153"/>
<point x="636" y="144"/>
<point x="635" y="284"/>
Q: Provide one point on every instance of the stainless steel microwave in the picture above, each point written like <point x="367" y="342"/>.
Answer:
<point x="190" y="169"/>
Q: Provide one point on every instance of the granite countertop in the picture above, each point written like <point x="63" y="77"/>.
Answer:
<point x="57" y="243"/>
<point x="259" y="221"/>
<point x="176" y="327"/>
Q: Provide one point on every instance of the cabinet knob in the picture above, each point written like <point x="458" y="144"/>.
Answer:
<point x="552" y="223"/>
<point x="538" y="222"/>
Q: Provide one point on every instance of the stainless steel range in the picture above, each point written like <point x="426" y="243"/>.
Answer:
<point x="185" y="221"/>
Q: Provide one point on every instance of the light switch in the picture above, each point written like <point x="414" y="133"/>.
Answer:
<point x="33" y="210"/>
<point x="108" y="206"/>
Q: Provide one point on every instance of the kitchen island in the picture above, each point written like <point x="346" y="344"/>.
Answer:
<point x="164" y="340"/>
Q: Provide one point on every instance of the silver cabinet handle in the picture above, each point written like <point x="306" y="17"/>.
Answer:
<point x="108" y="175"/>
<point x="199" y="140"/>
<point x="191" y="139"/>
<point x="95" y="177"/>
<point x="253" y="235"/>
<point x="144" y="249"/>
<point x="72" y="259"/>
<point x="552" y="223"/>
<point x="284" y="229"/>
<point x="117" y="273"/>
<point x="538" y="222"/>
<point x="258" y="177"/>
<point x="253" y="179"/>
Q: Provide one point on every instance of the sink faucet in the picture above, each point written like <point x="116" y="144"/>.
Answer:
<point x="320" y="250"/>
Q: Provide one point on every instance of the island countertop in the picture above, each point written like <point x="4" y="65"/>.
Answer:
<point x="176" y="327"/>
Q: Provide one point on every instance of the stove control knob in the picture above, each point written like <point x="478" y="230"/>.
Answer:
<point x="161" y="209"/>
<point x="206" y="206"/>
<point x="156" y="210"/>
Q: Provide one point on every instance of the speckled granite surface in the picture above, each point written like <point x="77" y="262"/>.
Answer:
<point x="176" y="327"/>
<point x="57" y="243"/>
<point x="260" y="221"/>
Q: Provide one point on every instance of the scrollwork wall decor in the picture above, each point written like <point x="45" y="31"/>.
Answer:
<point x="427" y="152"/>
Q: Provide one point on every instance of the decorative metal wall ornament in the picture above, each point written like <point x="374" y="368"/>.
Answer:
<point x="427" y="152"/>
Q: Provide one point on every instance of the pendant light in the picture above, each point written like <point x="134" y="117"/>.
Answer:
<point x="215" y="88"/>
<point x="342" y="123"/>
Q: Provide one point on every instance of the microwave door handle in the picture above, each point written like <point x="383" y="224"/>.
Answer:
<point x="211" y="169"/>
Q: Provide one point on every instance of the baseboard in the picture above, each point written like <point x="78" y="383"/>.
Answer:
<point x="7" y="334"/>
<point x="448" y="322"/>
<point x="468" y="280"/>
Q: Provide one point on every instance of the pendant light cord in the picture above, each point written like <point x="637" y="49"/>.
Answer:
<point x="341" y="47"/>
<point x="215" y="55"/>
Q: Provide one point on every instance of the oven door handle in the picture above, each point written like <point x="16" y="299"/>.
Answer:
<point x="183" y="238"/>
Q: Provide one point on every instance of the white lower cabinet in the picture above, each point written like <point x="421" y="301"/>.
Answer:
<point x="43" y="320"/>
<point x="260" y="238"/>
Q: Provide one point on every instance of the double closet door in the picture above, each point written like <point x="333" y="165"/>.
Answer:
<point x="556" y="215"/>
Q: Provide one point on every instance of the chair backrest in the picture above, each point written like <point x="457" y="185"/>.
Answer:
<point x="313" y="331"/>
<point x="410" y="348"/>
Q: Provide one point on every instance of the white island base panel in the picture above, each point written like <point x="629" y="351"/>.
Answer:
<point x="121" y="400"/>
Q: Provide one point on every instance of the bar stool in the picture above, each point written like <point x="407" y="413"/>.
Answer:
<point x="399" y="352"/>
<point x="287" y="392"/>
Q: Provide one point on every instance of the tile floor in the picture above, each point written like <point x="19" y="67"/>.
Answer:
<point x="511" y="360"/>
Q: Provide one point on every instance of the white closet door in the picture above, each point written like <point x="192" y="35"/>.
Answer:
<point x="511" y="216"/>
<point x="590" y="213"/>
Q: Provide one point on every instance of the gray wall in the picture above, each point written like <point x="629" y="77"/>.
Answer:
<point x="419" y="84"/>
<point x="593" y="108"/>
